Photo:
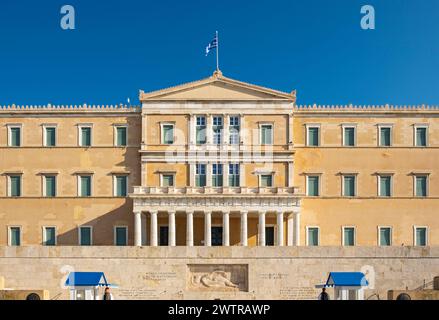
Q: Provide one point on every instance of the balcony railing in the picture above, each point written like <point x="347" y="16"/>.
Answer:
<point x="286" y="191"/>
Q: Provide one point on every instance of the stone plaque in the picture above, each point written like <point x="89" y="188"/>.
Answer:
<point x="137" y="294"/>
<point x="217" y="277"/>
<point x="298" y="293"/>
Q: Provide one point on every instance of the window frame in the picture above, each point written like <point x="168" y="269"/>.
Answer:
<point x="162" y="132"/>
<point x="9" y="184"/>
<point x="415" y="129"/>
<point x="355" y="175"/>
<point x="44" y="228"/>
<point x="11" y="126"/>
<point x="216" y="175"/>
<point x="263" y="124"/>
<point x="205" y="174"/>
<point x="379" y="235"/>
<point x="173" y="174"/>
<point x="427" y="185"/>
<point x="349" y="126"/>
<point x="221" y="130"/>
<point x="46" y="126"/>
<point x="415" y="227"/>
<point x="201" y="127"/>
<point x="91" y="235"/>
<point x="115" y="235"/>
<point x="343" y="228"/>
<point x="10" y="235"/>
<point x="234" y="133"/>
<point x="80" y="127"/>
<point x="115" y="127"/>
<point x="307" y="235"/>
<point x="381" y="175"/>
<point x="307" y="176"/>
<point x="271" y="174"/>
<point x="382" y="126"/>
<point x="44" y="187"/>
<point x="307" y="135"/>
<point x="115" y="176"/>
<point x="229" y="175"/>
<point x="80" y="185"/>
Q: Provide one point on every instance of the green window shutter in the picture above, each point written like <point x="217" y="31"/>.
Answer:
<point x="50" y="137"/>
<point x="168" y="180"/>
<point x="421" y="237"/>
<point x="168" y="134"/>
<point x="15" y="186"/>
<point x="385" y="237"/>
<point x="121" y="186"/>
<point x="200" y="181"/>
<point x="313" y="236"/>
<point x="349" y="236"/>
<point x="313" y="136"/>
<point x="121" y="139"/>
<point x="15" y="137"/>
<point x="50" y="236"/>
<point x="266" y="134"/>
<point x="234" y="180"/>
<point x="349" y="186"/>
<point x="50" y="186"/>
<point x="121" y="236"/>
<point x="85" y="137"/>
<point x="85" y="236"/>
<point x="421" y="137"/>
<point x="313" y="186"/>
<point x="15" y="236"/>
<point x="266" y="180"/>
<point x="85" y="186"/>
<point x="385" y="186"/>
<point x="349" y="137"/>
<point x="201" y="135"/>
<point x="421" y="186"/>
<point x="385" y="136"/>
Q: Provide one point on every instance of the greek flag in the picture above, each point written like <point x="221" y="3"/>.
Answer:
<point x="212" y="45"/>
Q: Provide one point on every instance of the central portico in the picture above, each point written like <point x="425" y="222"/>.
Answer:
<point x="217" y="166"/>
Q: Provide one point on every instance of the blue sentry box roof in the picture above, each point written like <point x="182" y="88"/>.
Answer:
<point x="86" y="279"/>
<point x="346" y="279"/>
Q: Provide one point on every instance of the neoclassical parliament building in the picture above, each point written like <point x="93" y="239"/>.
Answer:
<point x="219" y="162"/>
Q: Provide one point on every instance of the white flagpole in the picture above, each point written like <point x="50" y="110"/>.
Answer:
<point x="217" y="49"/>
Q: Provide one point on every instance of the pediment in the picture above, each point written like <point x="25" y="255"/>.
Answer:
<point x="218" y="88"/>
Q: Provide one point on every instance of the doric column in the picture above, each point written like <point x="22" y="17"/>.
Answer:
<point x="244" y="228"/>
<point x="290" y="229"/>
<point x="226" y="229"/>
<point x="297" y="228"/>
<point x="153" y="232"/>
<point x="137" y="228"/>
<point x="171" y="224"/>
<point x="207" y="228"/>
<point x="189" y="228"/>
<point x="280" y="228"/>
<point x="261" y="229"/>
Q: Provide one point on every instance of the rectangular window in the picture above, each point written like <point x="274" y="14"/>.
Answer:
<point x="266" y="134"/>
<point x="421" y="137"/>
<point x="269" y="236"/>
<point x="349" y="236"/>
<point x="85" y="139"/>
<point x="313" y="136"/>
<point x="385" y="136"/>
<point x="121" y="186"/>
<point x="201" y="130"/>
<point x="121" y="136"/>
<point x="217" y="175"/>
<point x="385" y="236"/>
<point x="15" y="136"/>
<point x="266" y="180"/>
<point x="121" y="236"/>
<point x="385" y="186"/>
<point x="15" y="186"/>
<point x="234" y="128"/>
<point x="85" y="186"/>
<point x="349" y="186"/>
<point x="50" y="186"/>
<point x="349" y="136"/>
<point x="313" y="186"/>
<point x="49" y="236"/>
<point x="200" y="175"/>
<point x="216" y="236"/>
<point x="421" y="186"/>
<point x="420" y="236"/>
<point x="14" y="236"/>
<point x="168" y="134"/>
<point x="50" y="136"/>
<point x="167" y="180"/>
<point x="233" y="174"/>
<point x="164" y="236"/>
<point x="313" y="236"/>
<point x="217" y="129"/>
<point x="85" y="236"/>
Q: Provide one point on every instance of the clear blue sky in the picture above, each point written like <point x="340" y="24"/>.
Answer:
<point x="314" y="46"/>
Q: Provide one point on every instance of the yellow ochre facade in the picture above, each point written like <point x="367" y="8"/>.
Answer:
<point x="219" y="162"/>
